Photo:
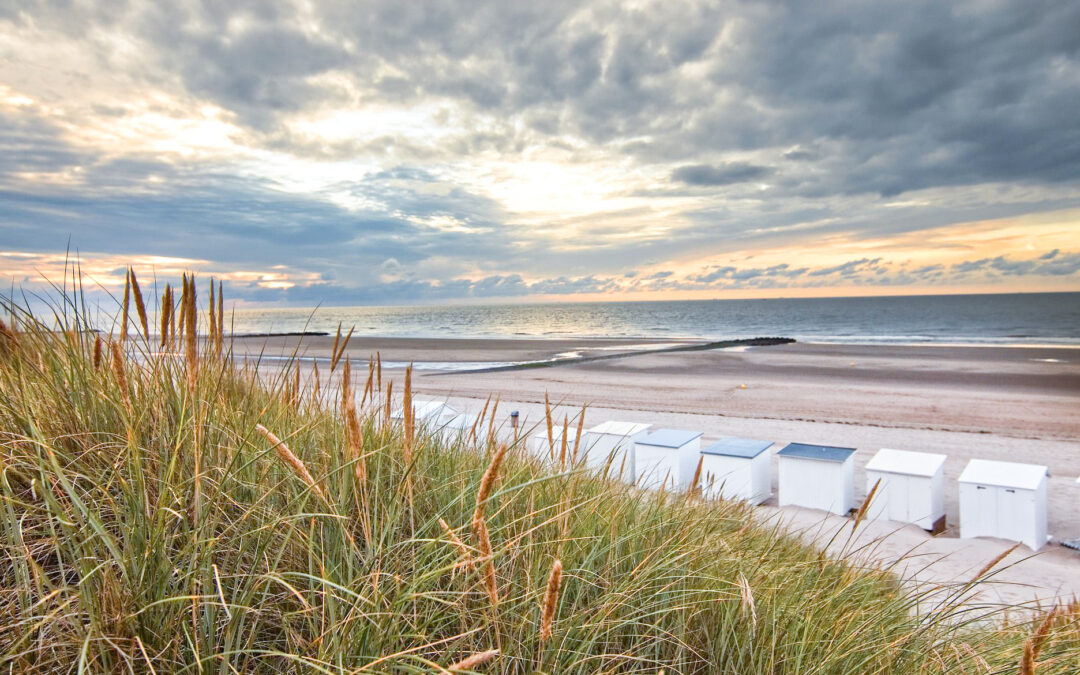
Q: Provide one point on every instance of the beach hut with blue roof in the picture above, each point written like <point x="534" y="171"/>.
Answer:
<point x="666" y="458"/>
<point x="737" y="468"/>
<point x="817" y="477"/>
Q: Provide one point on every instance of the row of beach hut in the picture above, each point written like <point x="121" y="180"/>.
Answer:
<point x="1007" y="500"/>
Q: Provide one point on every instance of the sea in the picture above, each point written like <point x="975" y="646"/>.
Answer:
<point x="1029" y="319"/>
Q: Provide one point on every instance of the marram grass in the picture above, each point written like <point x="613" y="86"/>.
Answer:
<point x="148" y="524"/>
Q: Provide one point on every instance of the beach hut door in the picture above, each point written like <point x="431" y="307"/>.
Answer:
<point x="986" y="500"/>
<point x="897" y="494"/>
<point x="1010" y="511"/>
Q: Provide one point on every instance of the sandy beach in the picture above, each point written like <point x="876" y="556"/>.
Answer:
<point x="1014" y="404"/>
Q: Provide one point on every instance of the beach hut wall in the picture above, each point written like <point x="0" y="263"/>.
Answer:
<point x="454" y="429"/>
<point x="540" y="446"/>
<point x="817" y="477"/>
<point x="1006" y="500"/>
<point x="666" y="458"/>
<point x="611" y="444"/>
<point x="737" y="468"/>
<point x="429" y="412"/>
<point x="911" y="488"/>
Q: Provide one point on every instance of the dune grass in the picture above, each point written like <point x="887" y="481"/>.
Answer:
<point x="175" y="512"/>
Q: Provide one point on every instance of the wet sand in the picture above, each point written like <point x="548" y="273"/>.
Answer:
<point x="1014" y="404"/>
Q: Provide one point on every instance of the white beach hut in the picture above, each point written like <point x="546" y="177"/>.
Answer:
<point x="456" y="428"/>
<point x="666" y="458"/>
<point x="1006" y="500"/>
<point x="427" y="412"/>
<point x="737" y="468"/>
<point x="611" y="444"/>
<point x="541" y="447"/>
<point x="912" y="488"/>
<point x="817" y="477"/>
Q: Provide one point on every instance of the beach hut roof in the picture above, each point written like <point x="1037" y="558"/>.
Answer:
<point x="557" y="430"/>
<point x="906" y="462"/>
<point x="1003" y="474"/>
<point x="425" y="409"/>
<point x="670" y="438"/>
<point x="460" y="422"/>
<point x="619" y="428"/>
<point x="729" y="446"/>
<point x="824" y="453"/>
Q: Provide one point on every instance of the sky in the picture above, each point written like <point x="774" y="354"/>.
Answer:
<point x="401" y="152"/>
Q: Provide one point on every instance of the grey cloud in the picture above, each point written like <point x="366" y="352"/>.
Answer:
<point x="849" y="102"/>
<point x="846" y="269"/>
<point x="726" y="174"/>
<point x="868" y="97"/>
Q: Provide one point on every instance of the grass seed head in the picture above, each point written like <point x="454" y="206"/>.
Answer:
<point x="292" y="461"/>
<point x="475" y="660"/>
<point x="551" y="600"/>
<point x="140" y="303"/>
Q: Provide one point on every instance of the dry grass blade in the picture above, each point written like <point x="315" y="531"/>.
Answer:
<point x="861" y="513"/>
<point x="693" y="488"/>
<point x="98" y="348"/>
<point x="1034" y="644"/>
<point x="368" y="391"/>
<point x="120" y="373"/>
<point x="389" y="402"/>
<point x="993" y="563"/>
<point x="355" y="441"/>
<point x="346" y="387"/>
<point x="140" y="303"/>
<point x="462" y="549"/>
<point x="334" y="349"/>
<point x="475" y="660"/>
<point x="8" y="339"/>
<point x="565" y="441"/>
<point x="166" y="312"/>
<point x="220" y="317"/>
<point x="408" y="414"/>
<point x="296" y="384"/>
<point x="127" y="301"/>
<point x="183" y="308"/>
<point x="292" y="461"/>
<point x="173" y="319"/>
<point x="338" y="352"/>
<point x="483" y="544"/>
<point x="191" y="343"/>
<point x="491" y="422"/>
<point x="551" y="600"/>
<point x="746" y="595"/>
<point x="577" y="435"/>
<point x="550" y="426"/>
<point x="479" y="420"/>
<point x="378" y="370"/>
<point x="487" y="482"/>
<point x="213" y="315"/>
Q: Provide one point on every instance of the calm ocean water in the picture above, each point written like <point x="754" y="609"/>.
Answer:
<point x="1038" y="318"/>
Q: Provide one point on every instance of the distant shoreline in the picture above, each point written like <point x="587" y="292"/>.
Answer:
<point x="1005" y="342"/>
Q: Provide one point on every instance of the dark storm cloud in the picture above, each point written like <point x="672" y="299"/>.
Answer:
<point x="884" y="98"/>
